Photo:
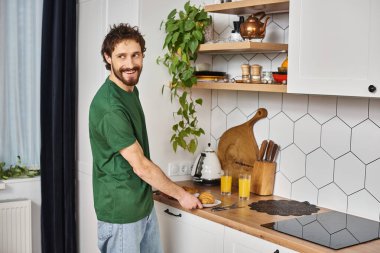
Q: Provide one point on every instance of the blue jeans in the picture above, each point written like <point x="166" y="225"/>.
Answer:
<point x="142" y="236"/>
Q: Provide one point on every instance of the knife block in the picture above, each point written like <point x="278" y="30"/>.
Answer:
<point x="262" y="178"/>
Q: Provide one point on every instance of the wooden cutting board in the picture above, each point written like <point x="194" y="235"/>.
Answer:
<point x="237" y="148"/>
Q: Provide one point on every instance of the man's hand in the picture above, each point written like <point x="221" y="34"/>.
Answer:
<point x="152" y="174"/>
<point x="189" y="201"/>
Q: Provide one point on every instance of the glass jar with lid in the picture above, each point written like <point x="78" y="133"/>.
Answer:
<point x="267" y="77"/>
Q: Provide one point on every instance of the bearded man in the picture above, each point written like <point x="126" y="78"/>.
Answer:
<point x="123" y="174"/>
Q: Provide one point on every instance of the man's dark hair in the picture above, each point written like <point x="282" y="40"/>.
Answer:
<point x="117" y="34"/>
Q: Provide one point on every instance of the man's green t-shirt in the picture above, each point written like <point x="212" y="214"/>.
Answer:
<point x="116" y="122"/>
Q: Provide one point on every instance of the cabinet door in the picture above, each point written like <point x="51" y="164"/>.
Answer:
<point x="188" y="233"/>
<point x="238" y="242"/>
<point x="334" y="47"/>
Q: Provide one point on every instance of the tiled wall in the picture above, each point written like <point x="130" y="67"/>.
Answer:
<point x="330" y="146"/>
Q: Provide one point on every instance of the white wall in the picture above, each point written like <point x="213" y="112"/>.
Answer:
<point x="94" y="19"/>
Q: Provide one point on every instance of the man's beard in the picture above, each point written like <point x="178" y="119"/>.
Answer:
<point x="131" y="81"/>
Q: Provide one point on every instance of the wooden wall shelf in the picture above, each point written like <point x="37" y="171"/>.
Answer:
<point x="249" y="7"/>
<point x="241" y="86"/>
<point x="241" y="47"/>
<point x="241" y="8"/>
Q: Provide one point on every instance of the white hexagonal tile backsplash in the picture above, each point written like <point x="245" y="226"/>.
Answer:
<point x="366" y="141"/>
<point x="295" y="105"/>
<point x="363" y="204"/>
<point x="322" y="108"/>
<point x="349" y="173"/>
<point x="248" y="102"/>
<point x="221" y="23"/>
<point x="227" y="101"/>
<point x="282" y="20"/>
<point x="282" y="186"/>
<point x="236" y="117"/>
<point x="352" y="110"/>
<point x="261" y="130"/>
<point x="292" y="163"/>
<point x="307" y="134"/>
<point x="261" y="59"/>
<point x="274" y="33"/>
<point x="330" y="146"/>
<point x="219" y="63"/>
<point x="372" y="179"/>
<point x="336" y="137"/>
<point x="304" y="190"/>
<point x="281" y="130"/>
<point x="234" y="66"/>
<point x="272" y="102"/>
<point x="218" y="122"/>
<point x="374" y="111"/>
<point x="333" y="197"/>
<point x="319" y="168"/>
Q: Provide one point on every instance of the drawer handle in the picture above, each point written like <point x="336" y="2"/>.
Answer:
<point x="372" y="88"/>
<point x="176" y="215"/>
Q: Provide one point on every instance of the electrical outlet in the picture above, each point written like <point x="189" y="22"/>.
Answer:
<point x="173" y="169"/>
<point x="179" y="168"/>
<point x="185" y="168"/>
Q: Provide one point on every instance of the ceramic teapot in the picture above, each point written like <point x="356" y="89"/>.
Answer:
<point x="253" y="28"/>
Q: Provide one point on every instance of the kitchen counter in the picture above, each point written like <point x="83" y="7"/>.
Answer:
<point x="249" y="221"/>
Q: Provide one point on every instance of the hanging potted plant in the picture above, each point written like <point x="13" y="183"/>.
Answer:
<point x="184" y="33"/>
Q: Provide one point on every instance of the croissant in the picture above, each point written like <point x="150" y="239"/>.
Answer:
<point x="206" y="198"/>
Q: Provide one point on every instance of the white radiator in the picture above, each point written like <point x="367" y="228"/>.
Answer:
<point x="15" y="226"/>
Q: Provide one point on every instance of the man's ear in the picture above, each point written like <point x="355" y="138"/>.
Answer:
<point x="108" y="58"/>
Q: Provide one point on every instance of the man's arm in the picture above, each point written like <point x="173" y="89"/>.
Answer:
<point x="152" y="174"/>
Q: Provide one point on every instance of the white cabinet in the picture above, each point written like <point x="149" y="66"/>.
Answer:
<point x="182" y="232"/>
<point x="239" y="242"/>
<point x="334" y="47"/>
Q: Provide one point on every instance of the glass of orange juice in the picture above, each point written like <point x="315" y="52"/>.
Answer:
<point x="226" y="183"/>
<point x="244" y="186"/>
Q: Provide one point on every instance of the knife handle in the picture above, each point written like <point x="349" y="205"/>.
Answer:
<point x="273" y="153"/>
<point x="269" y="150"/>
<point x="263" y="147"/>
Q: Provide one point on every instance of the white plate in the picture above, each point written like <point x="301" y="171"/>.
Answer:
<point x="217" y="202"/>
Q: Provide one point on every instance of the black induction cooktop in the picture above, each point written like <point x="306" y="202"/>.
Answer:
<point x="332" y="229"/>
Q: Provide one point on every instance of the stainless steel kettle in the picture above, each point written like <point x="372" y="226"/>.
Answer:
<point x="206" y="168"/>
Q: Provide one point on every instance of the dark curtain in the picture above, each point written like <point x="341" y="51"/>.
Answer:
<point x="58" y="124"/>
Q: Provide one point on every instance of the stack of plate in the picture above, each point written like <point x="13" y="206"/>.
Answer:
<point x="210" y="76"/>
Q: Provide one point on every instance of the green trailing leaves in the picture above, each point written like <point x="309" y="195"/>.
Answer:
<point x="172" y="14"/>
<point x="17" y="171"/>
<point x="184" y="33"/>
